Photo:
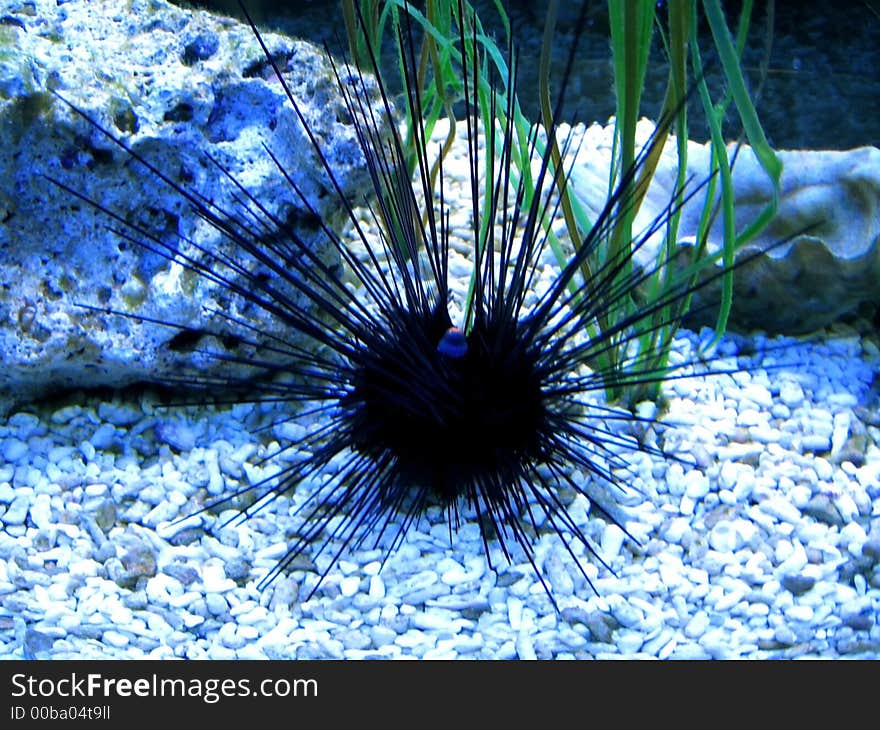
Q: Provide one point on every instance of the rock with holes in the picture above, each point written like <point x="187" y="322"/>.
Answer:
<point x="191" y="93"/>
<point x="828" y="220"/>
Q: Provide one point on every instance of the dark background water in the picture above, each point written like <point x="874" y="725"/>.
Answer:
<point x="818" y="88"/>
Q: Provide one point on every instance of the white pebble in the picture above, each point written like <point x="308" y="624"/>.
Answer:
<point x="758" y="394"/>
<point x="433" y="621"/>
<point x="95" y="490"/>
<point x="723" y="537"/>
<point x="745" y="529"/>
<point x="799" y="612"/>
<point x="229" y="636"/>
<point x="816" y="442"/>
<point x="791" y="393"/>
<point x="800" y="495"/>
<point x="686" y="506"/>
<point x="382" y="635"/>
<point x="7" y="493"/>
<point x="412" y="639"/>
<point x="158" y="625"/>
<point x="841" y="400"/>
<point x="414" y="583"/>
<point x="745" y="483"/>
<point x="216" y="603"/>
<point x="455" y="575"/>
<point x="779" y="507"/>
<point x="728" y="601"/>
<point x="218" y="652"/>
<point x="841" y="431"/>
<point x="823" y="467"/>
<point x="612" y="541"/>
<point x="119" y="414"/>
<point x="765" y="434"/>
<point x="17" y="512"/>
<point x="696" y="484"/>
<point x="670" y="575"/>
<point x="793" y="557"/>
<point x="868" y="475"/>
<point x="728" y="474"/>
<point x="853" y="536"/>
<point x="115" y="638"/>
<point x="861" y="585"/>
<point x="14" y="450"/>
<point x="514" y="612"/>
<point x="349" y="585"/>
<point x="697" y="626"/>
<point x="847" y="507"/>
<point x="84" y="568"/>
<point x="678" y="527"/>
<point x="690" y="652"/>
<point x="41" y="511"/>
<point x="161" y="588"/>
<point x="757" y="609"/>
<point x="628" y="641"/>
<point x="216" y="582"/>
<point x="674" y="479"/>
<point x="750" y="418"/>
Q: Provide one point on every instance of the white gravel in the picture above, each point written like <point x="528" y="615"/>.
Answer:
<point x="768" y="545"/>
<point x="770" y="550"/>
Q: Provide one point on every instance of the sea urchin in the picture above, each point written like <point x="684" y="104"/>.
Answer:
<point x="418" y="399"/>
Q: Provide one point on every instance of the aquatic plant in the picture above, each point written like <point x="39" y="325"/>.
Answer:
<point x="631" y="25"/>
<point x="412" y="398"/>
<point x="437" y="77"/>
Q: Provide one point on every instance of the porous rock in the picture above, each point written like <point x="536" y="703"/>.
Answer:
<point x="828" y="216"/>
<point x="176" y="86"/>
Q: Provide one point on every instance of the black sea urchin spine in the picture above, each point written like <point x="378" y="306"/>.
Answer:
<point x="486" y="415"/>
